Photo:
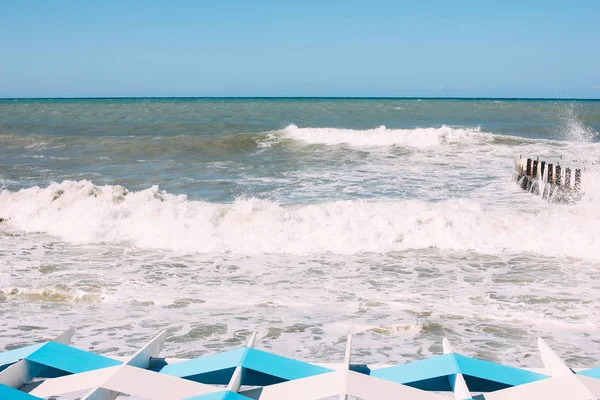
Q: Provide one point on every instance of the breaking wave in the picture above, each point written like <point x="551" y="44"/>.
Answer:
<point x="382" y="136"/>
<point x="418" y="138"/>
<point x="81" y="212"/>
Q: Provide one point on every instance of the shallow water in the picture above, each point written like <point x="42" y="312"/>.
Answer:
<point x="395" y="220"/>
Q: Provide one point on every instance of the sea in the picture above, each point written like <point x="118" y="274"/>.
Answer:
<point x="302" y="219"/>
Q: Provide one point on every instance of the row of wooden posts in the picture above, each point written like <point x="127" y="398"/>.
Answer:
<point x="548" y="180"/>
<point x="555" y="174"/>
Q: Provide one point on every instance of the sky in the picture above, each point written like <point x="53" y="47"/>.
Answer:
<point x="378" y="48"/>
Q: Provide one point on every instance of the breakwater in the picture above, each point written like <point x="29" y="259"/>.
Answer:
<point x="553" y="182"/>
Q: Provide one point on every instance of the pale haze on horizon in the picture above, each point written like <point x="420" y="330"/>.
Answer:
<point x="300" y="48"/>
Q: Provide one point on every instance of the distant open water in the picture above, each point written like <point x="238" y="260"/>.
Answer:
<point x="303" y="219"/>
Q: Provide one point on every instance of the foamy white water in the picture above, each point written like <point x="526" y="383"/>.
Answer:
<point x="83" y="213"/>
<point x="382" y="136"/>
<point x="400" y="224"/>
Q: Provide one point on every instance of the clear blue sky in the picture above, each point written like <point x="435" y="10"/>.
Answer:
<point x="484" y="48"/>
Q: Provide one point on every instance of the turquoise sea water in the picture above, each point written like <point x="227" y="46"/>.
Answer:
<point x="303" y="219"/>
<point x="181" y="144"/>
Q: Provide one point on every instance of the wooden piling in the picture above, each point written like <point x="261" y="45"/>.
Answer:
<point x="543" y="169"/>
<point x="577" y="179"/>
<point x="554" y="186"/>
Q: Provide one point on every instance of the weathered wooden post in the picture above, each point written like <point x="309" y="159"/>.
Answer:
<point x="543" y="169"/>
<point x="521" y="169"/>
<point x="552" y="181"/>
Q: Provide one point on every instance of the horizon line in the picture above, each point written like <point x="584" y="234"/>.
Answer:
<point x="303" y="97"/>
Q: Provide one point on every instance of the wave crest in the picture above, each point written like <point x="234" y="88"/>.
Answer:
<point x="382" y="136"/>
<point x="81" y="212"/>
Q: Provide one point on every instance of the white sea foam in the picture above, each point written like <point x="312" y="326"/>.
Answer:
<point x="81" y="212"/>
<point x="382" y="136"/>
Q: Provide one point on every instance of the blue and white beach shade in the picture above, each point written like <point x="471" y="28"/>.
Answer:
<point x="249" y="373"/>
<point x="480" y="376"/>
<point x="8" y="393"/>
<point x="10" y="357"/>
<point x="223" y="395"/>
<point x="261" y="368"/>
